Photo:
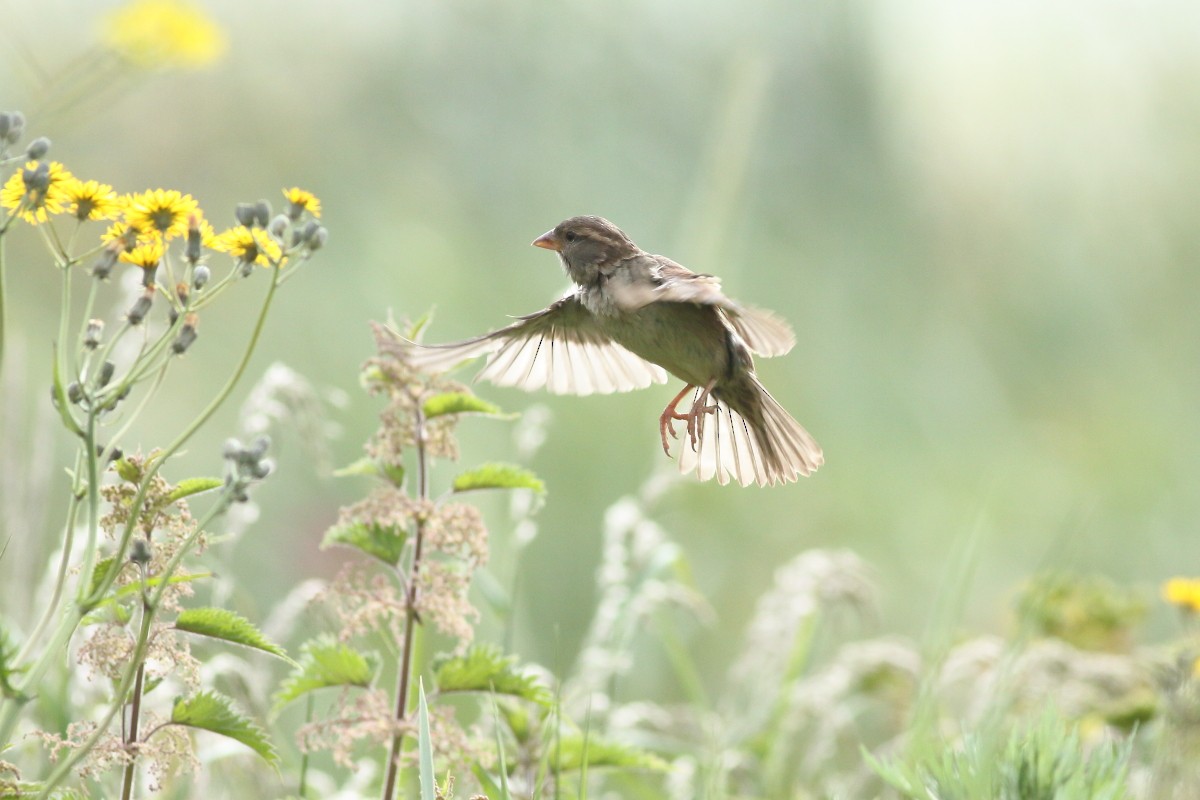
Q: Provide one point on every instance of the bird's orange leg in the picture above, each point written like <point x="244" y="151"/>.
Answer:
<point x="669" y="414"/>
<point x="695" y="417"/>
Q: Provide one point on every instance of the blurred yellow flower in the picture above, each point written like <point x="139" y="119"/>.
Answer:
<point x="147" y="255"/>
<point x="160" y="211"/>
<point x="34" y="197"/>
<point x="1183" y="592"/>
<point x="302" y="201"/>
<point x="250" y="245"/>
<point x="90" y="199"/>
<point x="164" y="33"/>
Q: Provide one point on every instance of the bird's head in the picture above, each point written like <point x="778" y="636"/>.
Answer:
<point x="588" y="246"/>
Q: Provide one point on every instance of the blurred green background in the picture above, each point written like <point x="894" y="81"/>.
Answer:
<point x="979" y="217"/>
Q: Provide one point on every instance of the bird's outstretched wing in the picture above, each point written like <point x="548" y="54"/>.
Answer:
<point x="762" y="331"/>
<point x="560" y="348"/>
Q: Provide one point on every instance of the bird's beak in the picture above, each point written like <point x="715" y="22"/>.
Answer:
<point x="549" y="241"/>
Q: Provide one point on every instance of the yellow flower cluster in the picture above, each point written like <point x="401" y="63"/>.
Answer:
<point x="1183" y="592"/>
<point x="143" y="222"/>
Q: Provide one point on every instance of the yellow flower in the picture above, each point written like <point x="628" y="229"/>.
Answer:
<point x="126" y="234"/>
<point x="250" y="245"/>
<point x="34" y="202"/>
<point x="301" y="201"/>
<point x="158" y="211"/>
<point x="90" y="200"/>
<point x="163" y="33"/>
<point x="146" y="255"/>
<point x="1183" y="592"/>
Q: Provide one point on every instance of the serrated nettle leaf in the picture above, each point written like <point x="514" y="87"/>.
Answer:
<point x="214" y="712"/>
<point x="131" y="589"/>
<point x="191" y="486"/>
<point x="98" y="573"/>
<point x="364" y="466"/>
<point x="498" y="476"/>
<point x="220" y="623"/>
<point x="485" y="669"/>
<point x="326" y="662"/>
<point x="383" y="542"/>
<point x="461" y="403"/>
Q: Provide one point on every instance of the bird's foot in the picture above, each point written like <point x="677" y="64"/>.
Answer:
<point x="695" y="417"/>
<point x="669" y="415"/>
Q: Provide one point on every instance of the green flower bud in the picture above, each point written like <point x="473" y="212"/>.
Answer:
<point x="262" y="213"/>
<point x="16" y="127"/>
<point x="91" y="337"/>
<point x="244" y="212"/>
<point x="139" y="310"/>
<point x="139" y="552"/>
<point x="278" y="226"/>
<point x="105" y="374"/>
<point x="200" y="277"/>
<point x="38" y="148"/>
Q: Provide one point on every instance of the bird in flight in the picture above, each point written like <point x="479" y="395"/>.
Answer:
<point x="631" y="318"/>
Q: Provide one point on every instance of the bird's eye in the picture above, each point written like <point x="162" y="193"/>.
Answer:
<point x="570" y="236"/>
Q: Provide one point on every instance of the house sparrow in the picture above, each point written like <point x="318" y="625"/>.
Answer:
<point x="630" y="316"/>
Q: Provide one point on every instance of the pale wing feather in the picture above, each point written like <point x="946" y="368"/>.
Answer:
<point x="763" y="332"/>
<point x="561" y="349"/>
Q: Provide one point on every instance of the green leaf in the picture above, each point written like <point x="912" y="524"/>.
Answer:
<point x="498" y="476"/>
<point x="220" y="623"/>
<point x="325" y="662"/>
<point x="424" y="747"/>
<point x="383" y="542"/>
<point x="98" y="572"/>
<point x="191" y="486"/>
<point x="485" y="669"/>
<point x="8" y="654"/>
<point x="394" y="473"/>
<point x="600" y="753"/>
<point x="130" y="589"/>
<point x="461" y="403"/>
<point x="214" y="712"/>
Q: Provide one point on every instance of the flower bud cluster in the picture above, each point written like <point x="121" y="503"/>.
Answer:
<point x="245" y="465"/>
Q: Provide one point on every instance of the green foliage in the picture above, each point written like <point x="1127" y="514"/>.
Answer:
<point x="192" y="486"/>
<point x="214" y="712"/>
<point x="220" y="623"/>
<point x="393" y="473"/>
<point x="498" y="476"/>
<point x="577" y="751"/>
<point x="461" y="403"/>
<point x="384" y="542"/>
<point x="1090" y="612"/>
<point x="424" y="747"/>
<point x="324" y="663"/>
<point x="1045" y="761"/>
<point x="8" y="652"/>
<point x="485" y="669"/>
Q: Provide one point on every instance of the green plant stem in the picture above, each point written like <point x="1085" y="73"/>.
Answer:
<point x="155" y="464"/>
<point x="309" y="708"/>
<point x="63" y="768"/>
<point x="404" y="679"/>
<point x="135" y="710"/>
<point x="84" y="603"/>
<point x="60" y="579"/>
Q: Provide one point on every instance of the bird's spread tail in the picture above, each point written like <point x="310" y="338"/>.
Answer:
<point x="756" y="442"/>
